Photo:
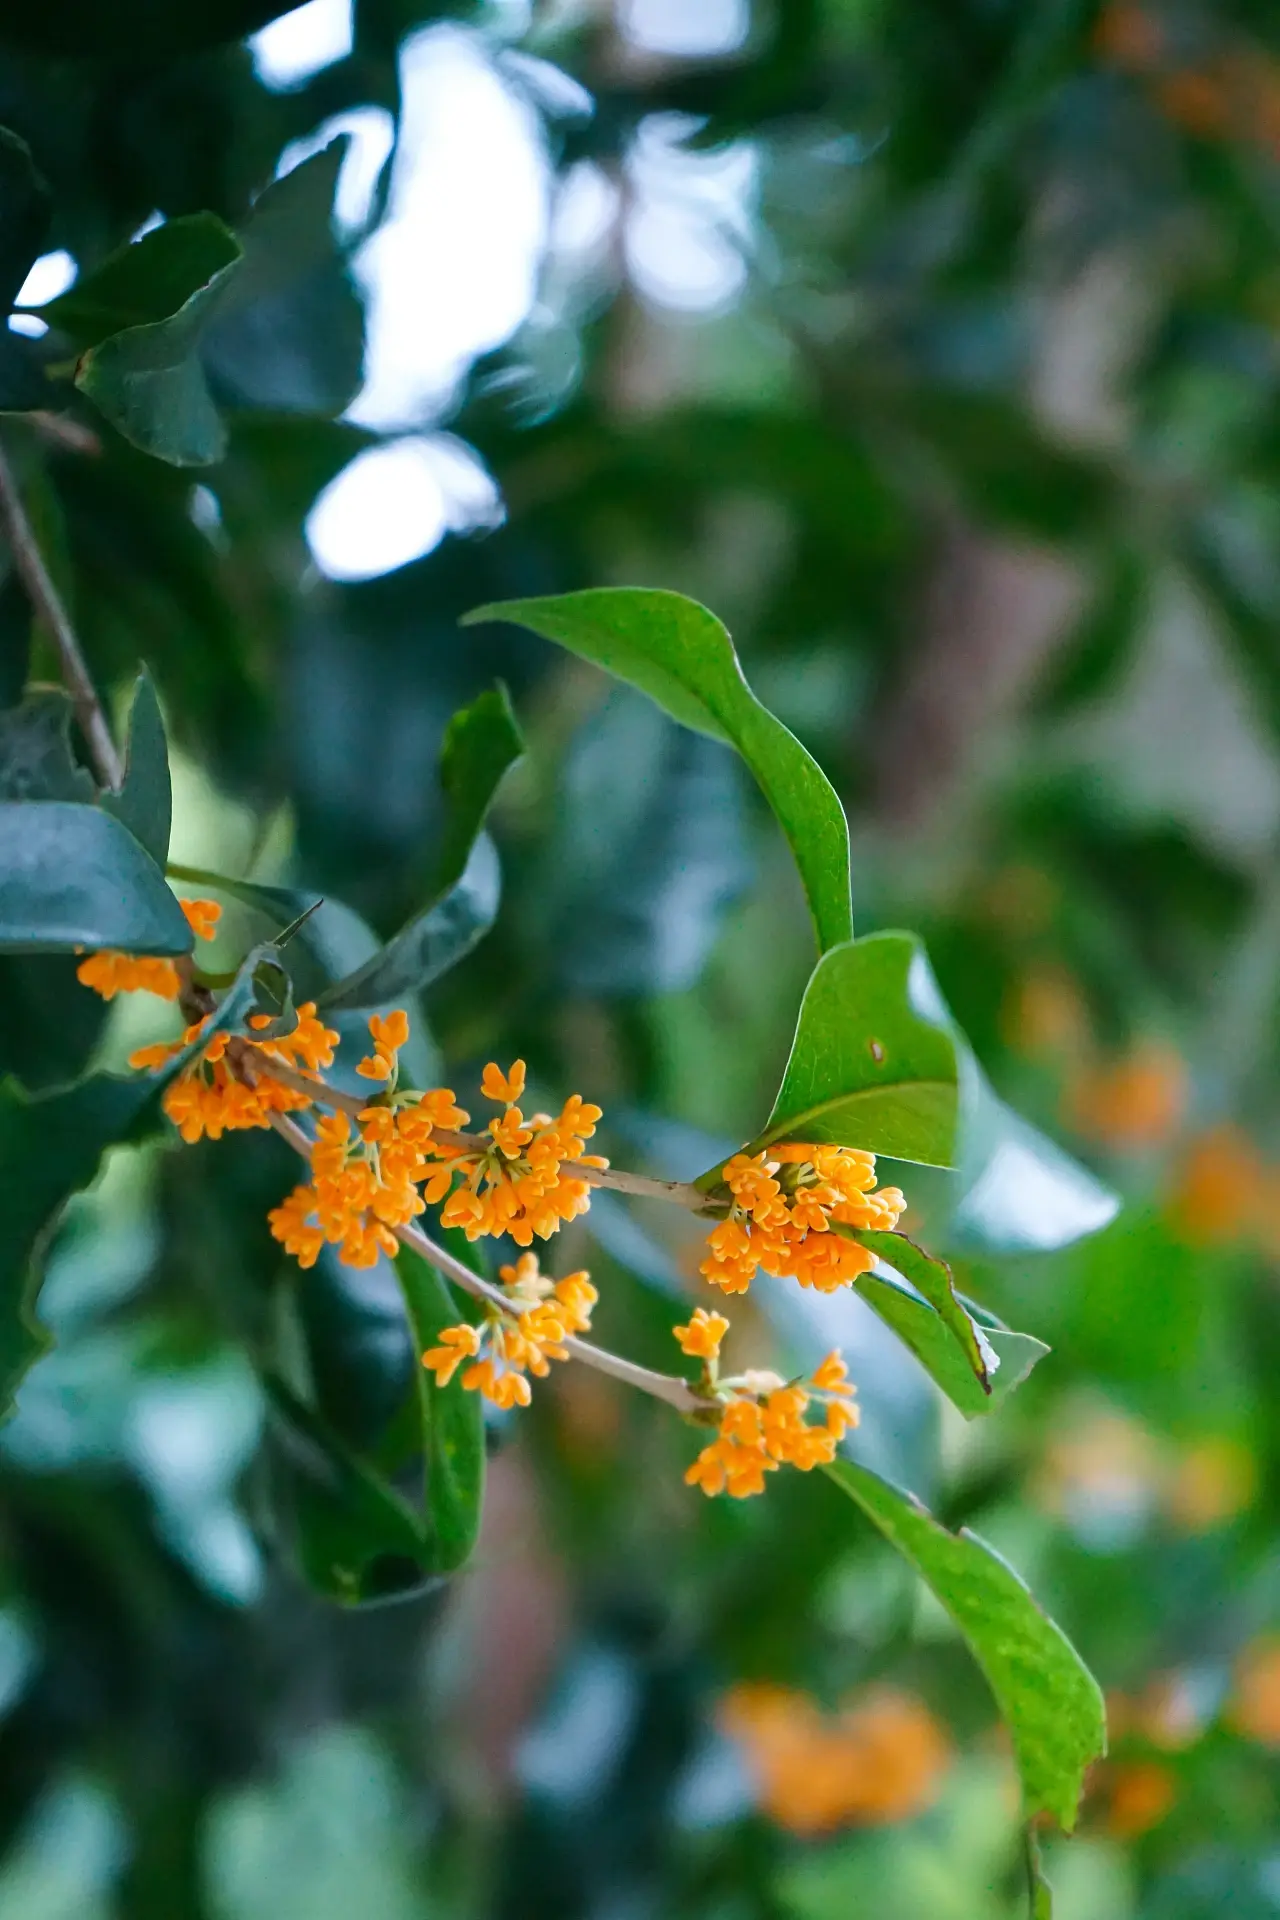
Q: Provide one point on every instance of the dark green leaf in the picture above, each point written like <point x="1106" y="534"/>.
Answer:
<point x="24" y="385"/>
<point x="149" y="382"/>
<point x="452" y="1421"/>
<point x="36" y="761"/>
<point x="1048" y="1698"/>
<point x="15" y="639"/>
<point x="290" y="334"/>
<point x="80" y="29"/>
<point x="1009" y="1356"/>
<point x="355" y="1539"/>
<point x="931" y="1278"/>
<point x="681" y="656"/>
<point x="49" y="1025"/>
<point x="51" y="1147"/>
<point x="72" y="876"/>
<point x="145" y="802"/>
<point x="147" y="281"/>
<point x="872" y="1065"/>
<point x="24" y="215"/>
<point x="480" y="743"/>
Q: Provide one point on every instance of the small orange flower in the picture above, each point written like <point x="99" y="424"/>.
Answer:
<point x="763" y="1426"/>
<point x="701" y="1338"/>
<point x="110" y="973"/>
<point x="507" y="1087"/>
<point x="523" y="1336"/>
<point x="388" y="1034"/>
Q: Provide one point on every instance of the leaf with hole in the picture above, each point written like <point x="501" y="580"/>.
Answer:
<point x="1050" y="1702"/>
<point x="681" y="656"/>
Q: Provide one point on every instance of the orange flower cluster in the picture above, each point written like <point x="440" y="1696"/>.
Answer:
<point x="110" y="973"/>
<point x="523" y="1337"/>
<point x="212" y="1099"/>
<point x="762" y="1425"/>
<point x="786" y="1203"/>
<point x="515" y="1185"/>
<point x="879" y="1759"/>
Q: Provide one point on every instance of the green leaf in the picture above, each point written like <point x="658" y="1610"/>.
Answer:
<point x="51" y="1147"/>
<point x="452" y="1420"/>
<point x="290" y="334"/>
<point x="146" y="281"/>
<point x="931" y="1278"/>
<point x="681" y="656"/>
<point x="71" y="876"/>
<point x="1018" y="1192"/>
<point x="1047" y="1696"/>
<point x="481" y="742"/>
<point x="148" y="380"/>
<point x="25" y="206"/>
<point x="872" y="1065"/>
<point x="1009" y="1356"/>
<point x="36" y="761"/>
<point x="355" y="1539"/>
<point x="144" y="803"/>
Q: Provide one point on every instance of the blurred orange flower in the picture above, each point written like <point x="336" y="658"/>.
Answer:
<point x="1131" y="1104"/>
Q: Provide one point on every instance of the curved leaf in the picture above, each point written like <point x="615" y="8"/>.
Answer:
<point x="72" y="876"/>
<point x="1018" y="1192"/>
<point x="1047" y="1696"/>
<point x="872" y="1064"/>
<point x="52" y="1145"/>
<point x="480" y="743"/>
<point x="144" y="803"/>
<point x="1008" y="1356"/>
<point x="452" y="1421"/>
<point x="681" y="656"/>
<point x="145" y="281"/>
<point x="931" y="1278"/>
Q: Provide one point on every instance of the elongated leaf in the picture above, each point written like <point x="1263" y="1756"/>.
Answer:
<point x="872" y="1065"/>
<point x="145" y="802"/>
<point x="147" y="281"/>
<point x="1047" y="1696"/>
<point x="1009" y="1356"/>
<point x="51" y="1147"/>
<point x="480" y="743"/>
<point x="72" y="876"/>
<point x="290" y="334"/>
<point x="452" y="1421"/>
<point x="1016" y="1191"/>
<point x="36" y="761"/>
<point x="429" y="945"/>
<point x="148" y="381"/>
<point x="931" y="1278"/>
<point x="681" y="656"/>
<point x="356" y="1540"/>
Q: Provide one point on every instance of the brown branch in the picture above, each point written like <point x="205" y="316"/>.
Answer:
<point x="47" y="603"/>
<point x="661" y="1386"/>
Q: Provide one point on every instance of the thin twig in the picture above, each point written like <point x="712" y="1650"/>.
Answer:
<point x="661" y="1386"/>
<point x="680" y="1192"/>
<point x="47" y="602"/>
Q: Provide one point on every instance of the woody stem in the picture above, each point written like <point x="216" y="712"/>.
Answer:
<point x="679" y="1191"/>
<point x="47" y="603"/>
<point x="662" y="1386"/>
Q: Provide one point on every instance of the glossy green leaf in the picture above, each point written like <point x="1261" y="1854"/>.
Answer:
<point x="290" y="333"/>
<point x="873" y="1064"/>
<point x="145" y="802"/>
<point x="149" y="382"/>
<point x="355" y="1539"/>
<point x="481" y="742"/>
<point x="1016" y="1191"/>
<point x="72" y="876"/>
<point x="1046" y="1695"/>
<point x="452" y="1423"/>
<point x="36" y="761"/>
<point x="145" y="282"/>
<point x="1009" y="1357"/>
<point x="681" y="656"/>
<point x="51" y="1147"/>
<point x="931" y="1278"/>
<point x="80" y="29"/>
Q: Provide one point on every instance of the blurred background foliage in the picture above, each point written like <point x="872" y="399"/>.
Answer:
<point x="933" y="343"/>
